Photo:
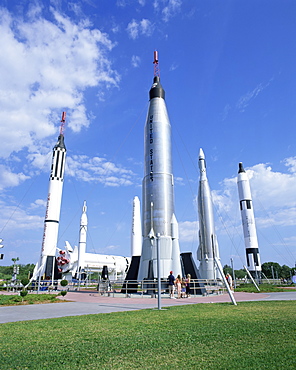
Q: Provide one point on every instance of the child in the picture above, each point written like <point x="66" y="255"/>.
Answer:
<point x="183" y="288"/>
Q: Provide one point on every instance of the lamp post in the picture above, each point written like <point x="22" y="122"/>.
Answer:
<point x="158" y="272"/>
<point x="234" y="282"/>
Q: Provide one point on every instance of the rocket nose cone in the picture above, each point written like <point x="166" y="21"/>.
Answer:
<point x="201" y="154"/>
<point x="240" y="168"/>
<point x="156" y="90"/>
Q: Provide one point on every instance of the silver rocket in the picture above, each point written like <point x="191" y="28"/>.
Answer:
<point x="248" y="221"/>
<point x="136" y="234"/>
<point x="208" y="245"/>
<point x="82" y="240"/>
<point x="159" y="224"/>
<point x="53" y="207"/>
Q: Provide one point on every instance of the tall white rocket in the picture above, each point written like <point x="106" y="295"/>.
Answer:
<point x="136" y="234"/>
<point x="82" y="239"/>
<point x="248" y="221"/>
<point x="53" y="207"/>
<point x="159" y="224"/>
<point x="208" y="245"/>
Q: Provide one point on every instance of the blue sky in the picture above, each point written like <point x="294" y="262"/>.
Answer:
<point x="228" y="69"/>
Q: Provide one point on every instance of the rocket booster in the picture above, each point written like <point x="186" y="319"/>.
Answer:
<point x="82" y="238"/>
<point x="136" y="234"/>
<point x="208" y="245"/>
<point x="158" y="218"/>
<point x="248" y="221"/>
<point x="53" y="207"/>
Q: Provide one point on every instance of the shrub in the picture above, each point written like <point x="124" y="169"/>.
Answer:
<point x="63" y="293"/>
<point x="23" y="293"/>
<point x="25" y="281"/>
<point x="64" y="283"/>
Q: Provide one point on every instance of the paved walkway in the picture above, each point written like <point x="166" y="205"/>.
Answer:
<point x="85" y="303"/>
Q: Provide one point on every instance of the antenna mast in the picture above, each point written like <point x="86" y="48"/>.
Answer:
<point x="156" y="66"/>
<point x="63" y="120"/>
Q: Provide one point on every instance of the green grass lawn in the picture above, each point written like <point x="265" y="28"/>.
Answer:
<point x="12" y="299"/>
<point x="252" y="335"/>
<point x="264" y="288"/>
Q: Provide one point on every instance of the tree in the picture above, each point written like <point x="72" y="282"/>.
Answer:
<point x="227" y="270"/>
<point x="285" y="272"/>
<point x="240" y="274"/>
<point x="267" y="270"/>
<point x="23" y="293"/>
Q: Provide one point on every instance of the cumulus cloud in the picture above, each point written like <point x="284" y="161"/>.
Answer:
<point x="39" y="203"/>
<point x="291" y="164"/>
<point x="143" y="27"/>
<point x="98" y="170"/>
<point x="45" y="66"/>
<point x="19" y="219"/>
<point x="9" y="178"/>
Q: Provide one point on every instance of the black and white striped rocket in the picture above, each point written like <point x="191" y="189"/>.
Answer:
<point x="248" y="221"/>
<point x="159" y="224"/>
<point x="208" y="246"/>
<point x="53" y="207"/>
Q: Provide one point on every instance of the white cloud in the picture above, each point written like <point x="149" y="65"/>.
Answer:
<point x="171" y="9"/>
<point x="143" y="27"/>
<point x="188" y="231"/>
<point x="291" y="164"/>
<point x="136" y="61"/>
<point x="39" y="203"/>
<point x="174" y="66"/>
<point x="45" y="66"/>
<point x="146" y="27"/>
<point x="98" y="170"/>
<point x="19" y="219"/>
<point x="133" y="29"/>
<point x="245" y="100"/>
<point x="9" y="178"/>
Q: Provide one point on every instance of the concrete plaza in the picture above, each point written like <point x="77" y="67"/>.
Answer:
<point x="85" y="303"/>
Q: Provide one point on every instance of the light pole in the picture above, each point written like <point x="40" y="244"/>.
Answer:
<point x="158" y="272"/>
<point x="234" y="282"/>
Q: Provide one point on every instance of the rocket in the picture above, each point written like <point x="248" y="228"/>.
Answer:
<point x="208" y="245"/>
<point x="248" y="221"/>
<point x="136" y="234"/>
<point x="53" y="207"/>
<point x="82" y="240"/>
<point x="159" y="223"/>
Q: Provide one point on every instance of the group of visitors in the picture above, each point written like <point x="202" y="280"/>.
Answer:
<point x="182" y="285"/>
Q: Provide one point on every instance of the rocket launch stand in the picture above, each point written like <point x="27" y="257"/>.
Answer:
<point x="230" y="292"/>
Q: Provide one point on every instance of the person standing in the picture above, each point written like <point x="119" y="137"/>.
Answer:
<point x="229" y="280"/>
<point x="187" y="281"/>
<point x="171" y="279"/>
<point x="178" y="285"/>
